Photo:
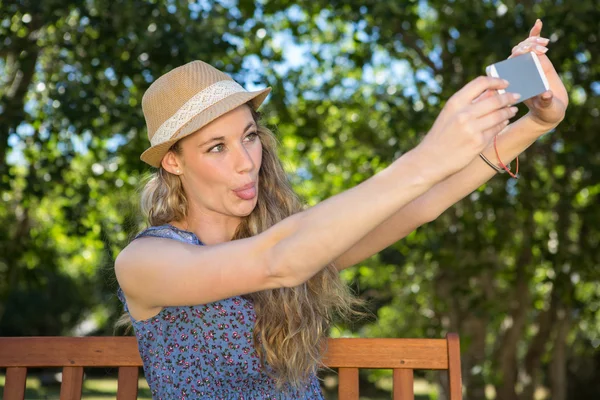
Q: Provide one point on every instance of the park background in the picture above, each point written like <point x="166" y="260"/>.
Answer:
<point x="513" y="268"/>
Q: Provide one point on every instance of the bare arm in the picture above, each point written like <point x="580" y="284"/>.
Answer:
<point x="514" y="140"/>
<point x="338" y="226"/>
<point x="315" y="237"/>
<point x="160" y="272"/>
<point x="157" y="272"/>
<point x="545" y="112"/>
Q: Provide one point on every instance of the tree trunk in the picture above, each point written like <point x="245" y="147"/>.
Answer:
<point x="475" y="328"/>
<point x="506" y="352"/>
<point x="506" y="348"/>
<point x="558" y="365"/>
<point x="537" y="348"/>
<point x="13" y="101"/>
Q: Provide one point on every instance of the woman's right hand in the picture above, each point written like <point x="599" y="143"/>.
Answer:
<point x="466" y="125"/>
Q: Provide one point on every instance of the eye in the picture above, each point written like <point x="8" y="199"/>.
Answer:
<point x="218" y="146"/>
<point x="252" y="136"/>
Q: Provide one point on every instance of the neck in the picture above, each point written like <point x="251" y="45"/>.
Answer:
<point x="210" y="228"/>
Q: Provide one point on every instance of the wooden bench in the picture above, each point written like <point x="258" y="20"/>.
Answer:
<point x="75" y="353"/>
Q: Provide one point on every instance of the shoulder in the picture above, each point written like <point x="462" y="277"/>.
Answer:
<point x="139" y="250"/>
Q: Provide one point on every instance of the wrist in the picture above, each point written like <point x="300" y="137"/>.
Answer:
<point x="427" y="172"/>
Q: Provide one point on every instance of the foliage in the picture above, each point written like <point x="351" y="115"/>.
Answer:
<point x="513" y="267"/>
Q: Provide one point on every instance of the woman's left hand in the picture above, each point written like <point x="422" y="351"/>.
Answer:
<point x="547" y="109"/>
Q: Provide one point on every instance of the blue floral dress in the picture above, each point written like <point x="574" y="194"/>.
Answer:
<point x="205" y="351"/>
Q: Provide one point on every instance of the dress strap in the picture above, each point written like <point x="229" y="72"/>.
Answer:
<point x="170" y="232"/>
<point x="121" y="297"/>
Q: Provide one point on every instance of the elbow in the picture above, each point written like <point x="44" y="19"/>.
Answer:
<point x="280" y="271"/>
<point x="430" y="216"/>
<point x="291" y="271"/>
<point x="279" y="263"/>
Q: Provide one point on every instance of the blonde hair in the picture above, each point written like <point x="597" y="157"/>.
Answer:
<point x="291" y="323"/>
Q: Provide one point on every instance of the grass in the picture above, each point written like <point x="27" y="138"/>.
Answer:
<point x="106" y="388"/>
<point x="98" y="388"/>
<point x="93" y="389"/>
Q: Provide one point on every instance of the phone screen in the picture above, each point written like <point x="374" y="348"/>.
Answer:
<point x="524" y="74"/>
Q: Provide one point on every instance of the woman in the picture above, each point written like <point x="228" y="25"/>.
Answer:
<point x="232" y="287"/>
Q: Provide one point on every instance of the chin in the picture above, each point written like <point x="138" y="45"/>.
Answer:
<point x="246" y="209"/>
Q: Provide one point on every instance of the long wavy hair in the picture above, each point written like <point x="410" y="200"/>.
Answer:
<point x="292" y="324"/>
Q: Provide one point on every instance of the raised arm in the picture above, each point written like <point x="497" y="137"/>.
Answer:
<point x="326" y="231"/>
<point x="427" y="207"/>
<point x="160" y="272"/>
<point x="545" y="113"/>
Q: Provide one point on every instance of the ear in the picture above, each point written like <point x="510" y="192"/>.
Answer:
<point x="171" y="163"/>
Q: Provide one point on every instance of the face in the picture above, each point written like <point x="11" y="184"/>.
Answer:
<point x="219" y="164"/>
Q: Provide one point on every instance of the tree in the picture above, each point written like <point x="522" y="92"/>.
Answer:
<point x="512" y="268"/>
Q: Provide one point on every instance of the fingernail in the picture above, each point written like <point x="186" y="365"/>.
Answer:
<point x="505" y="82"/>
<point x="541" y="49"/>
<point x="542" y="40"/>
<point x="514" y="110"/>
<point x="516" y="96"/>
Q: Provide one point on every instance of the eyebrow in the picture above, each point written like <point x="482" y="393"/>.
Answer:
<point x="219" y="138"/>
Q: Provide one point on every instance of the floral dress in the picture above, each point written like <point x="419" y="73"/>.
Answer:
<point x="205" y="351"/>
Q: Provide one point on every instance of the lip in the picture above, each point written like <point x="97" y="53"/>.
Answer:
<point x="248" y="186"/>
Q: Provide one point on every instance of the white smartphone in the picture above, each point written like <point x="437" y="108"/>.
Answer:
<point x="524" y="74"/>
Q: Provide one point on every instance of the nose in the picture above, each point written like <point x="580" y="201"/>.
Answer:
<point x="243" y="160"/>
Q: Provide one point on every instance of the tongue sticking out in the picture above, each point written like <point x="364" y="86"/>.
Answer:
<point x="246" y="194"/>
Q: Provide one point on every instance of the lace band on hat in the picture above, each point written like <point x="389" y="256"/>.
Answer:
<point x="195" y="105"/>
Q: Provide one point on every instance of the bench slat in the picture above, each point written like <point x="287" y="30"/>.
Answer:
<point x="69" y="351"/>
<point x="348" y="383"/>
<point x="122" y="351"/>
<point x="72" y="383"/>
<point x="14" y="386"/>
<point x="403" y="384"/>
<point x="387" y="353"/>
<point x="127" y="388"/>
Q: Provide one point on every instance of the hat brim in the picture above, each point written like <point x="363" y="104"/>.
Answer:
<point x="155" y="154"/>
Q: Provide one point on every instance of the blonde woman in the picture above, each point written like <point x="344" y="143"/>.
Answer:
<point x="232" y="287"/>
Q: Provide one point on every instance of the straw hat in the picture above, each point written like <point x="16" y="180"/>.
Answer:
<point x="187" y="98"/>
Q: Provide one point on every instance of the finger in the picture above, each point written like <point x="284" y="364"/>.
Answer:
<point x="489" y="134"/>
<point x="541" y="40"/>
<point x="537" y="28"/>
<point x="485" y="95"/>
<point x="528" y="47"/>
<point x="493" y="103"/>
<point x="536" y="44"/>
<point x="477" y="86"/>
<point x="547" y="96"/>
<point x="494" y="118"/>
<point x="532" y="41"/>
<point x="544" y="100"/>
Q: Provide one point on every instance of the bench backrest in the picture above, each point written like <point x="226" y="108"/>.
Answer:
<point x="348" y="355"/>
